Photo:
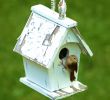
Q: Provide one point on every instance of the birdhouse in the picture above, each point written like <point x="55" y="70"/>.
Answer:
<point x="50" y="45"/>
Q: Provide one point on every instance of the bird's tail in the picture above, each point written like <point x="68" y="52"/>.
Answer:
<point x="72" y="77"/>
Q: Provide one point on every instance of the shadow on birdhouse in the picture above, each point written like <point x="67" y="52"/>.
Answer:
<point x="51" y="48"/>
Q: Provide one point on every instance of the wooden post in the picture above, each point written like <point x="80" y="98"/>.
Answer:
<point x="62" y="9"/>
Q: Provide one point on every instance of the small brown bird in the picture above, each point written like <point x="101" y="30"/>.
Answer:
<point x="71" y="65"/>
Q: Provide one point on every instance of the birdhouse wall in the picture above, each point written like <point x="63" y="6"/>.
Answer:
<point x="59" y="76"/>
<point x="36" y="73"/>
<point x="70" y="38"/>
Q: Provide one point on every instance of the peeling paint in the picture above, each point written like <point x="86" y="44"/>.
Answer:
<point x="74" y="89"/>
<point x="64" y="91"/>
<point x="82" y="43"/>
<point x="59" y="93"/>
<point x="37" y="30"/>
<point x="47" y="41"/>
<point x="28" y="22"/>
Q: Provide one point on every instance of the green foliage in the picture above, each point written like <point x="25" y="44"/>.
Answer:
<point x="94" y="22"/>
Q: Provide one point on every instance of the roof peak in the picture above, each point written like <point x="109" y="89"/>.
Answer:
<point x="53" y="16"/>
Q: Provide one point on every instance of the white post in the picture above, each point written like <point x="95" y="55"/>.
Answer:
<point x="53" y="4"/>
<point x="62" y="9"/>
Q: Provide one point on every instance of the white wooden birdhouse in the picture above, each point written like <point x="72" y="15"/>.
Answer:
<point x="51" y="46"/>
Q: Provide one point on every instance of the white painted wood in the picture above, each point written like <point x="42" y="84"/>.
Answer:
<point x="88" y="50"/>
<point x="85" y="48"/>
<point x="71" y="37"/>
<point x="30" y="43"/>
<point x="59" y="77"/>
<point x="43" y="37"/>
<point x="56" y="43"/>
<point x="55" y="95"/>
<point x="36" y="73"/>
<point x="33" y="43"/>
<point x="53" y="16"/>
<point x="62" y="9"/>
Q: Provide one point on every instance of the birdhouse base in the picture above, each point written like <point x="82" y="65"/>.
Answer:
<point x="58" y="94"/>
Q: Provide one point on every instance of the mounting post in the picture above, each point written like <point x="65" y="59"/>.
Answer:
<point x="53" y="4"/>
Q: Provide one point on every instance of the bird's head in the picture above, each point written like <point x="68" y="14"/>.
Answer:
<point x="71" y="59"/>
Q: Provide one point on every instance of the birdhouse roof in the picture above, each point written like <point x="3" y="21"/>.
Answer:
<point x="43" y="35"/>
<point x="53" y="16"/>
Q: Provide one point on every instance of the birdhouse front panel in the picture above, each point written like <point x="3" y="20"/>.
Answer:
<point x="58" y="74"/>
<point x="71" y="37"/>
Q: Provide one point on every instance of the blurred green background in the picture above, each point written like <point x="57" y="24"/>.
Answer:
<point x="94" y="23"/>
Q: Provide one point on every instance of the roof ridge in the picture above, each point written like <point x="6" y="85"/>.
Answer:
<point x="53" y="16"/>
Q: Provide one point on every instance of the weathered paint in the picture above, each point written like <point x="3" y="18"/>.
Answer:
<point x="53" y="16"/>
<point x="62" y="9"/>
<point x="42" y="39"/>
<point x="33" y="38"/>
<point x="59" y="94"/>
<point x="36" y="73"/>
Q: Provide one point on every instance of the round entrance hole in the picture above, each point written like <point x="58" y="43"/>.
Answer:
<point x="63" y="53"/>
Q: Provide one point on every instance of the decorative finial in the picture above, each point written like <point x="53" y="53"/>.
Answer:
<point x="62" y="9"/>
<point x="53" y="3"/>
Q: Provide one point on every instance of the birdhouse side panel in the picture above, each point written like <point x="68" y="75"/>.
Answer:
<point x="71" y="37"/>
<point x="36" y="73"/>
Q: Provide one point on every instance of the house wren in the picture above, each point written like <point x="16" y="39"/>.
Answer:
<point x="71" y="65"/>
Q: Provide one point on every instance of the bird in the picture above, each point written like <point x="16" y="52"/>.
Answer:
<point x="71" y="65"/>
